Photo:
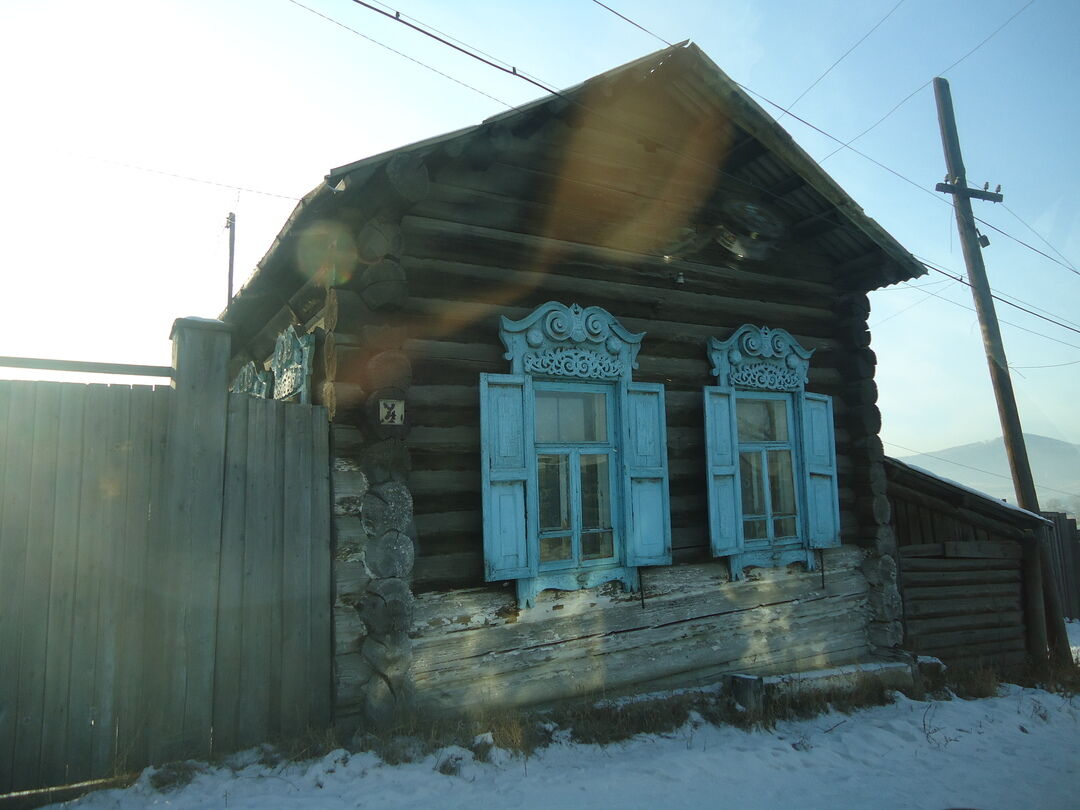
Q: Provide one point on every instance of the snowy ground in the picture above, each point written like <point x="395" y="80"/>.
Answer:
<point x="1018" y="750"/>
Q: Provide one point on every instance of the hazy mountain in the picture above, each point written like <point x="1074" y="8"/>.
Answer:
<point x="1055" y="466"/>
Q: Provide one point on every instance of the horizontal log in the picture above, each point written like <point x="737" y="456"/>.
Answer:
<point x="955" y="607"/>
<point x="928" y="593"/>
<point x="923" y="550"/>
<point x="440" y="278"/>
<point x="962" y="638"/>
<point x="918" y="564"/>
<point x="952" y="652"/>
<point x="945" y="624"/>
<point x="948" y="578"/>
<point x="1007" y="551"/>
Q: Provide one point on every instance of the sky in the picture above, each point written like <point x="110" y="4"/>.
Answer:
<point x="133" y="127"/>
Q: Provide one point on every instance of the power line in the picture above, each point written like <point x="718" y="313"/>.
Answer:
<point x="997" y="297"/>
<point x="637" y="25"/>
<point x="900" y="176"/>
<point x="914" y="92"/>
<point x="1009" y="323"/>
<point x="1051" y="365"/>
<point x="202" y="180"/>
<point x="468" y="50"/>
<point x="1028" y="246"/>
<point x="399" y="53"/>
<point x="976" y="469"/>
<point x="1041" y="237"/>
<point x="829" y="70"/>
<point x="847" y="144"/>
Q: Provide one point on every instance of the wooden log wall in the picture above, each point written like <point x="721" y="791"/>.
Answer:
<point x="564" y="207"/>
<point x="963" y="573"/>
<point x="473" y="648"/>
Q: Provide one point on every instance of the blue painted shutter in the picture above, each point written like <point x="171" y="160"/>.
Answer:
<point x="507" y="457"/>
<point x="647" y="509"/>
<point x="722" y="466"/>
<point x="819" y="453"/>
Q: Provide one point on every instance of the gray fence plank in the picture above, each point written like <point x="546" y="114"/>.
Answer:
<point x="92" y="537"/>
<point x="13" y="543"/>
<point x="159" y="585"/>
<point x="62" y="585"/>
<point x="296" y="574"/>
<point x="34" y="603"/>
<point x="321" y="653"/>
<point x="255" y="642"/>
<point x="273" y="503"/>
<point x="227" y="684"/>
<point x="130" y="738"/>
<point x="112" y="505"/>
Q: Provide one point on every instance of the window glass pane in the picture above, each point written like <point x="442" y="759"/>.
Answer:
<point x="553" y="478"/>
<point x="762" y="420"/>
<point x="597" y="546"/>
<point x="595" y="492"/>
<point x="754" y="529"/>
<point x="781" y="482"/>
<point x="784" y="527"/>
<point x="752" y="481"/>
<point x="554" y="549"/>
<point x="571" y="416"/>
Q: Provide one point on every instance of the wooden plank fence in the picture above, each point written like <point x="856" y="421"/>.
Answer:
<point x="164" y="570"/>
<point x="1063" y="551"/>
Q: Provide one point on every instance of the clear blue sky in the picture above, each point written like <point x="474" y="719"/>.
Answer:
<point x="101" y="256"/>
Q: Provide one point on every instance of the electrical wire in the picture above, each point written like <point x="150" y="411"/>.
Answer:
<point x="1061" y="255"/>
<point x="374" y="41"/>
<point x="915" y="92"/>
<point x="468" y="50"/>
<point x="1051" y="365"/>
<point x="977" y="469"/>
<point x="997" y="297"/>
<point x="465" y="49"/>
<point x="847" y="145"/>
<point x="638" y="25"/>
<point x="202" y="180"/>
<point x="845" y="55"/>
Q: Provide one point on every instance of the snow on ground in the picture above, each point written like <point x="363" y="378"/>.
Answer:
<point x="1072" y="627"/>
<point x="1018" y="750"/>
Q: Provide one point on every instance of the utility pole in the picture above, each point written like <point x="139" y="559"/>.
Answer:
<point x="230" y="225"/>
<point x="1012" y="432"/>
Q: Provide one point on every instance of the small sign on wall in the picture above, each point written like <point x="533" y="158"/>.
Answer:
<point x="391" y="412"/>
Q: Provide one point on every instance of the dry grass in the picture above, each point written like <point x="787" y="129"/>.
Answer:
<point x="606" y="722"/>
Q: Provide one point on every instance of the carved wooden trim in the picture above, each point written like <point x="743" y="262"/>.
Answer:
<point x="556" y="340"/>
<point x="761" y="359"/>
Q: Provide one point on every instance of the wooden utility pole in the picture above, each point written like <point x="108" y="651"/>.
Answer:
<point x="1015" y="448"/>
<point x="230" y="225"/>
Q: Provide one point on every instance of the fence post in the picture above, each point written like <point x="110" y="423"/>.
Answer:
<point x="188" y="552"/>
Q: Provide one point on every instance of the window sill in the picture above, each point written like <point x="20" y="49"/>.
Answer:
<point x="527" y="589"/>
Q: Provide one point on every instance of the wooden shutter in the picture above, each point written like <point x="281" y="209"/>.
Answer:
<point x="722" y="466"/>
<point x="507" y="458"/>
<point x="647" y="509"/>
<point x="819" y="454"/>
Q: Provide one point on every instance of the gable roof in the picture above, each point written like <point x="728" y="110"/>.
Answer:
<point x="745" y="149"/>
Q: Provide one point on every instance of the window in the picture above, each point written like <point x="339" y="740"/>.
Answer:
<point x="574" y="456"/>
<point x="770" y="453"/>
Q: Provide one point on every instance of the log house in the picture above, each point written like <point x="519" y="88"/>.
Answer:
<point x="661" y="195"/>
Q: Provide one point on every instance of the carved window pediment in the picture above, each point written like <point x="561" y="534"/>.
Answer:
<point x="758" y="358"/>
<point x="556" y="340"/>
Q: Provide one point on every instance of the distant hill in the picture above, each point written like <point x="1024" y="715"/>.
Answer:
<point x="1055" y="465"/>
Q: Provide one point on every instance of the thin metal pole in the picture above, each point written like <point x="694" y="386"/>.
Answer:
<point x="230" y="224"/>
